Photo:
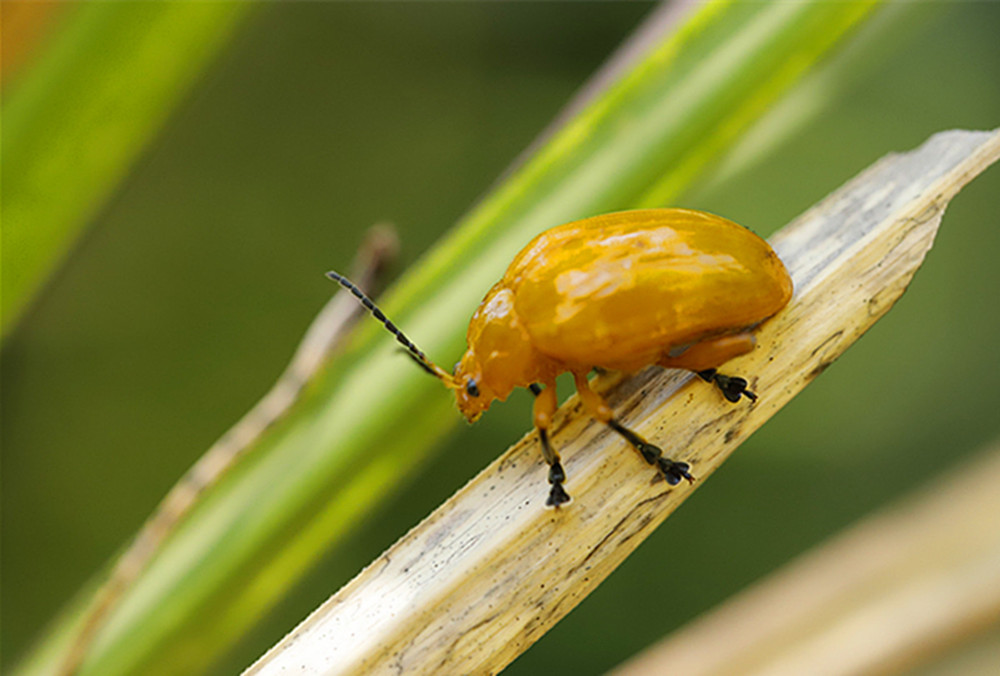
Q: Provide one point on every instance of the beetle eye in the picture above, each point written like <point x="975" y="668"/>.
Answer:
<point x="471" y="388"/>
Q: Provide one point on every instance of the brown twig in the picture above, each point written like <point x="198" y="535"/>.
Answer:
<point x="322" y="337"/>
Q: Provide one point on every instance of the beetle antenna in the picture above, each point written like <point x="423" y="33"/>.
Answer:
<point x="412" y="350"/>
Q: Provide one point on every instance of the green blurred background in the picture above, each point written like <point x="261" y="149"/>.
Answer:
<point x="186" y="296"/>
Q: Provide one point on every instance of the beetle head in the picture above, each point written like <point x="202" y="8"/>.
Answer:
<point x="472" y="394"/>
<point x="500" y="355"/>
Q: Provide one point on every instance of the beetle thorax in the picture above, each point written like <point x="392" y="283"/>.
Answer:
<point x="500" y="356"/>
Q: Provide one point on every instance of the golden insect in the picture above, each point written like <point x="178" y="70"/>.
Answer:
<point x="673" y="287"/>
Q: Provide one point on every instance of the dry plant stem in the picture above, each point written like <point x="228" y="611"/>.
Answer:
<point x="881" y="598"/>
<point x="491" y="570"/>
<point x="323" y="336"/>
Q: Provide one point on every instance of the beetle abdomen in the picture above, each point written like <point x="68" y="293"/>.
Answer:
<point x="619" y="290"/>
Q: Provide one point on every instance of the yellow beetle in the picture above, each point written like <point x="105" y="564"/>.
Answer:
<point x="621" y="291"/>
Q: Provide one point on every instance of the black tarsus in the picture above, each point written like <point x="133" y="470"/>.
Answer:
<point x="412" y="350"/>
<point x="557" y="475"/>
<point x="671" y="470"/>
<point x="732" y="387"/>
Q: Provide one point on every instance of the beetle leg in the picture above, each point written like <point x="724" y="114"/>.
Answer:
<point x="545" y="406"/>
<point x="671" y="470"/>
<point x="703" y="357"/>
<point x="710" y="353"/>
<point x="732" y="387"/>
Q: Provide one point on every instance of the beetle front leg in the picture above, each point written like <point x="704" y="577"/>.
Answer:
<point x="671" y="470"/>
<point x="545" y="405"/>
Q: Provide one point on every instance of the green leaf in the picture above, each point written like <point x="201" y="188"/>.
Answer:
<point x="80" y="117"/>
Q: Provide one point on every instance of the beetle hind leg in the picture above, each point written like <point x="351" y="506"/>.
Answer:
<point x="545" y="406"/>
<point x="671" y="470"/>
<point x="703" y="358"/>
<point x="732" y="387"/>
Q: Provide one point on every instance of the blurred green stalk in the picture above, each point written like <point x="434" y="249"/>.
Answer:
<point x="82" y="114"/>
<point x="372" y="417"/>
